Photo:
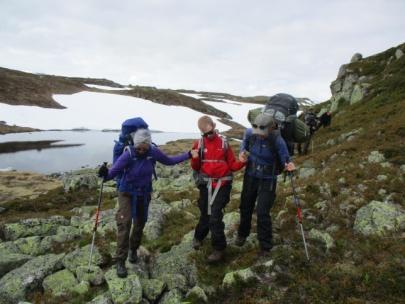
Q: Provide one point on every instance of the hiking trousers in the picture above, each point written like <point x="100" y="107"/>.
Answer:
<point x="129" y="231"/>
<point x="213" y="223"/>
<point x="264" y="191"/>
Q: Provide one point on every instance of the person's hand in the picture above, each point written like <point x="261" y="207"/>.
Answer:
<point x="194" y="153"/>
<point x="103" y="171"/>
<point x="289" y="167"/>
<point x="243" y="156"/>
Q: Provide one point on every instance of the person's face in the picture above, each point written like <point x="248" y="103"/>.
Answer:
<point x="142" y="148"/>
<point x="207" y="130"/>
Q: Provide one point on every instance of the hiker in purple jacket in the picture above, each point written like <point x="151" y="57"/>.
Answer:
<point x="136" y="164"/>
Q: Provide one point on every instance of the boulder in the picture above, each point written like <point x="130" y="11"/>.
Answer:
<point x="323" y="237"/>
<point x="80" y="257"/>
<point x="176" y="261"/>
<point x="33" y="227"/>
<point x="378" y="218"/>
<point x="152" y="289"/>
<point x="356" y="57"/>
<point x="398" y="53"/>
<point x="10" y="261"/>
<point x="94" y="275"/>
<point x="102" y="299"/>
<point x="157" y="216"/>
<point x="175" y="281"/>
<point x="31" y="246"/>
<point x="60" y="283"/>
<point x="17" y="283"/>
<point x="197" y="295"/>
<point x="82" y="179"/>
<point x="231" y="279"/>
<point x="174" y="296"/>
<point x="124" y="290"/>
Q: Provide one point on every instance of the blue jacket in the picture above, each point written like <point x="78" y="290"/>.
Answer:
<point x="261" y="157"/>
<point x="137" y="171"/>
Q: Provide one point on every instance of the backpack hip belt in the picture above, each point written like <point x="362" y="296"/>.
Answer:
<point x="211" y="195"/>
<point x="213" y="161"/>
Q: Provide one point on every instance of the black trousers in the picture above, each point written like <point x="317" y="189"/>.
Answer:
<point x="264" y="190"/>
<point x="213" y="223"/>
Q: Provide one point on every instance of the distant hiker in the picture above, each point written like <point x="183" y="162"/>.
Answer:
<point x="267" y="156"/>
<point x="311" y="120"/>
<point x="213" y="162"/>
<point x="325" y="119"/>
<point x="136" y="167"/>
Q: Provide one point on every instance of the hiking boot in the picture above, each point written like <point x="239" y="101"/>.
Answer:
<point x="121" y="269"/>
<point x="216" y="256"/>
<point x="132" y="256"/>
<point x="240" y="241"/>
<point x="197" y="244"/>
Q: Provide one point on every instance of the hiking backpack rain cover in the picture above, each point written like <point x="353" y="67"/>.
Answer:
<point x="128" y="126"/>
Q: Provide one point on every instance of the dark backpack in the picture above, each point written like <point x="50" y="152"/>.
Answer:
<point x="125" y="140"/>
<point x="283" y="108"/>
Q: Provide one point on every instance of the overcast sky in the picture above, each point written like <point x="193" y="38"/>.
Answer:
<point x="236" y="46"/>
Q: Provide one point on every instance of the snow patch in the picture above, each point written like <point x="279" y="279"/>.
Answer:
<point x="95" y="86"/>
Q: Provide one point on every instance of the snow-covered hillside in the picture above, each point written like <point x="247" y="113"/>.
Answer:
<point x="103" y="111"/>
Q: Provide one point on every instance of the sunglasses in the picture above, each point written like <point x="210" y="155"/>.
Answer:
<point x="260" y="127"/>
<point x="208" y="133"/>
<point x="141" y="150"/>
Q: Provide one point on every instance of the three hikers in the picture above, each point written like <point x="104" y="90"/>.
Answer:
<point x="213" y="162"/>
<point x="136" y="167"/>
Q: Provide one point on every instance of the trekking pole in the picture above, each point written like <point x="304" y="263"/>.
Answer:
<point x="299" y="214"/>
<point x="96" y="222"/>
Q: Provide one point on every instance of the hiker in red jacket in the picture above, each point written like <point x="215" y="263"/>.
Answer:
<point x="213" y="162"/>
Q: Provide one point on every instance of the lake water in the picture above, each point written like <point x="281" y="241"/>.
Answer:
<point x="97" y="148"/>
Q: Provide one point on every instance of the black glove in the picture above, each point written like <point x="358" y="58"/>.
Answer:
<point x="103" y="171"/>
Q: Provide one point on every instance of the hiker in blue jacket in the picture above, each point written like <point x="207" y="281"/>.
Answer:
<point x="136" y="164"/>
<point x="267" y="155"/>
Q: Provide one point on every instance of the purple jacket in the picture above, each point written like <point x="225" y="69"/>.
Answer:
<point x="137" y="171"/>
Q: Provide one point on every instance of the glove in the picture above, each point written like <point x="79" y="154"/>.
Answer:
<point x="103" y="171"/>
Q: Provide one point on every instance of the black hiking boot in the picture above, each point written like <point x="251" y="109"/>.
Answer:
<point x="121" y="269"/>
<point x="132" y="256"/>
<point x="216" y="256"/>
<point x="240" y="241"/>
<point x="197" y="244"/>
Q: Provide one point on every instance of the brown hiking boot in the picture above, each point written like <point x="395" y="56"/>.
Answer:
<point x="240" y="241"/>
<point x="216" y="256"/>
<point x="197" y="244"/>
<point x="263" y="253"/>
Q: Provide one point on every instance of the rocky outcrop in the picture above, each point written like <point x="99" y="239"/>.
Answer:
<point x="128" y="290"/>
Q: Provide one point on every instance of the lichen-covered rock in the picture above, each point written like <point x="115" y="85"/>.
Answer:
<point x="60" y="283"/>
<point x="124" y="290"/>
<point x="231" y="221"/>
<point x="82" y="179"/>
<point x="10" y="261"/>
<point x="33" y="227"/>
<point x="378" y="218"/>
<point x="197" y="295"/>
<point x="323" y="237"/>
<point x="234" y="277"/>
<point x="174" y="296"/>
<point x="176" y="261"/>
<point x="31" y="246"/>
<point x="152" y="289"/>
<point x="15" y="284"/>
<point x="356" y="57"/>
<point x="140" y="268"/>
<point x="94" y="275"/>
<point x="157" y="216"/>
<point x="102" y="299"/>
<point x="376" y="157"/>
<point x="80" y="257"/>
<point x="175" y="281"/>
